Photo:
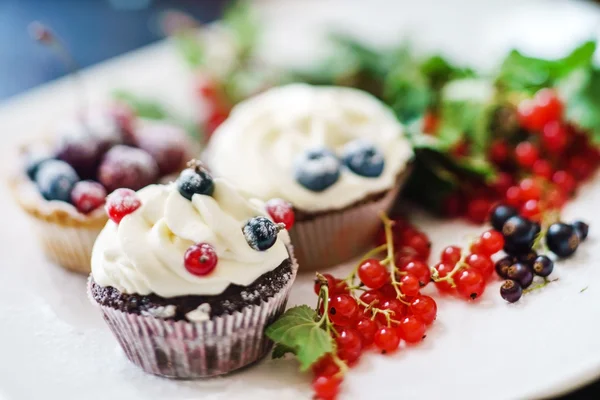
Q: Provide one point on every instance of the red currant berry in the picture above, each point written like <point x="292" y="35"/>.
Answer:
<point x="367" y="328"/>
<point x="87" y="196"/>
<point x="543" y="169"/>
<point x="499" y="152"/>
<point x="531" y="210"/>
<point x="424" y="308"/>
<point x="394" y="305"/>
<point x="349" y="344"/>
<point x="513" y="196"/>
<point x="342" y="310"/>
<point x="430" y="122"/>
<point x="330" y="284"/>
<point x="325" y="366"/>
<point x="492" y="241"/>
<point x="482" y="263"/>
<point x="281" y="212"/>
<point x="470" y="283"/>
<point x="409" y="284"/>
<point x="326" y="387"/>
<point x="200" y="259"/>
<point x="420" y="270"/>
<point x="121" y="203"/>
<point x="451" y="255"/>
<point x="444" y="269"/>
<point x="372" y="273"/>
<point x="502" y="183"/>
<point x="386" y="339"/>
<point x="548" y="105"/>
<point x="580" y="167"/>
<point x="530" y="189"/>
<point x="554" y="137"/>
<point x="555" y="199"/>
<point x="526" y="154"/>
<point x="373" y="297"/>
<point x="412" y="329"/>
<point x="530" y="116"/>
<point x="478" y="209"/>
<point x="420" y="244"/>
<point x="477" y="247"/>
<point x="452" y="205"/>
<point x="388" y="292"/>
<point x="564" y="181"/>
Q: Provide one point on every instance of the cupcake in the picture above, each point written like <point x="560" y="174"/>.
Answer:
<point x="338" y="155"/>
<point x="188" y="276"/>
<point x="62" y="181"/>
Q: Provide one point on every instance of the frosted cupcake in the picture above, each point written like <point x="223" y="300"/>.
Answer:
<point x="188" y="275"/>
<point x="338" y="155"/>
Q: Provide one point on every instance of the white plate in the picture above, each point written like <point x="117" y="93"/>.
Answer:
<point x="53" y="344"/>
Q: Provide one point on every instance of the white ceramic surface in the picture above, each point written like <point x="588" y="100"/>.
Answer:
<point x="54" y="345"/>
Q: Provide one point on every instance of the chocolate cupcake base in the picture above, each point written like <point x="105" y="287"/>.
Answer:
<point x="174" y="347"/>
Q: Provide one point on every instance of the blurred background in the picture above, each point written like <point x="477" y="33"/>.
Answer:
<point x="94" y="30"/>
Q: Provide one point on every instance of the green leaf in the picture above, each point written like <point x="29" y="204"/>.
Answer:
<point x="439" y="71"/>
<point x="299" y="330"/>
<point x="145" y="108"/>
<point x="581" y="92"/>
<point x="280" y="350"/>
<point x="190" y="48"/>
<point x="241" y="20"/>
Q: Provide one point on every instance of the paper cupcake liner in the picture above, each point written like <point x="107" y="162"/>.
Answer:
<point x="189" y="350"/>
<point x="68" y="246"/>
<point x="332" y="238"/>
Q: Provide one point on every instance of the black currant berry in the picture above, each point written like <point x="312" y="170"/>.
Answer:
<point x="261" y="233"/>
<point x="527" y="258"/>
<point x="511" y="291"/>
<point x="521" y="273"/>
<point x="503" y="265"/>
<point x="582" y="229"/>
<point x="562" y="239"/>
<point x="500" y="214"/>
<point x="519" y="234"/>
<point x="195" y="181"/>
<point x="543" y="266"/>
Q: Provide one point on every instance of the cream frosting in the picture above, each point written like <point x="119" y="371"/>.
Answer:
<point x="257" y="146"/>
<point x="144" y="253"/>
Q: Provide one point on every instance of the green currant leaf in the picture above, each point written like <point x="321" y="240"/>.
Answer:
<point x="145" y="108"/>
<point x="581" y="90"/>
<point x="241" y="20"/>
<point x="280" y="350"/>
<point x="190" y="48"/>
<point x="299" y="330"/>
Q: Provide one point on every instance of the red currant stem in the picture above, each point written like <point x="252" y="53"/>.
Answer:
<point x="366" y="256"/>
<point x="449" y="278"/>
<point x="341" y="365"/>
<point x="323" y="299"/>
<point x="539" y="285"/>
<point x="375" y="311"/>
<point x="387" y="226"/>
<point x="548" y="219"/>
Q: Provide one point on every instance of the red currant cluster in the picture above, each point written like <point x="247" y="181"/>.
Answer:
<point x="378" y="305"/>
<point x="540" y="163"/>
<point x="218" y="106"/>
<point x="467" y="272"/>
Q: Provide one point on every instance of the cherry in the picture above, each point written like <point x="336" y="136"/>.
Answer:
<point x="470" y="283"/>
<point x="367" y="328"/>
<point x="542" y="169"/>
<point x="482" y="263"/>
<point x="420" y="270"/>
<point x="166" y="143"/>
<point x="451" y="255"/>
<point x="554" y="137"/>
<point x="492" y="241"/>
<point x="412" y="329"/>
<point x="373" y="274"/>
<point x="342" y="309"/>
<point x="121" y="203"/>
<point x="281" y="212"/>
<point x="349" y="344"/>
<point x="87" y="196"/>
<point x="478" y="209"/>
<point x="410" y="285"/>
<point x="326" y="387"/>
<point x="386" y="339"/>
<point x="200" y="259"/>
<point x="564" y="181"/>
<point x="444" y="269"/>
<point x="526" y="154"/>
<point x="424" y="308"/>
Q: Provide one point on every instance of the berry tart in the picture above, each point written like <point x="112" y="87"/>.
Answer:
<point x="62" y="181"/>
<point x="337" y="154"/>
<point x="188" y="275"/>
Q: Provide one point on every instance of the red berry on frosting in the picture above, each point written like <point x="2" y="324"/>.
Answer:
<point x="281" y="212"/>
<point x="166" y="143"/>
<point x="88" y="196"/>
<point x="121" y="203"/>
<point x="127" y="167"/>
<point x="200" y="259"/>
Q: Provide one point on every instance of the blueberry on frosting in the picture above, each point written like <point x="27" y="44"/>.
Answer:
<point x="261" y="233"/>
<point x="195" y="180"/>
<point x="363" y="158"/>
<point x="317" y="169"/>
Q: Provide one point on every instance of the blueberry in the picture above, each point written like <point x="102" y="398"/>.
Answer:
<point x="519" y="235"/>
<point x="582" y="229"/>
<point x="317" y="169"/>
<point x="511" y="291"/>
<point x="521" y="273"/>
<point x="261" y="233"/>
<point x="562" y="239"/>
<point x="33" y="163"/>
<point x="55" y="180"/>
<point x="362" y="158"/>
<point x="195" y="181"/>
<point x="543" y="266"/>
<point x="500" y="214"/>
<point x="503" y="265"/>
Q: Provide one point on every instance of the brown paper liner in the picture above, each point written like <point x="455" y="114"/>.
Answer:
<point x="333" y="238"/>
<point x="189" y="350"/>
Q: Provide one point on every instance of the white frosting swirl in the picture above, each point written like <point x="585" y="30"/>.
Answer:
<point x="145" y="253"/>
<point x="258" y="144"/>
